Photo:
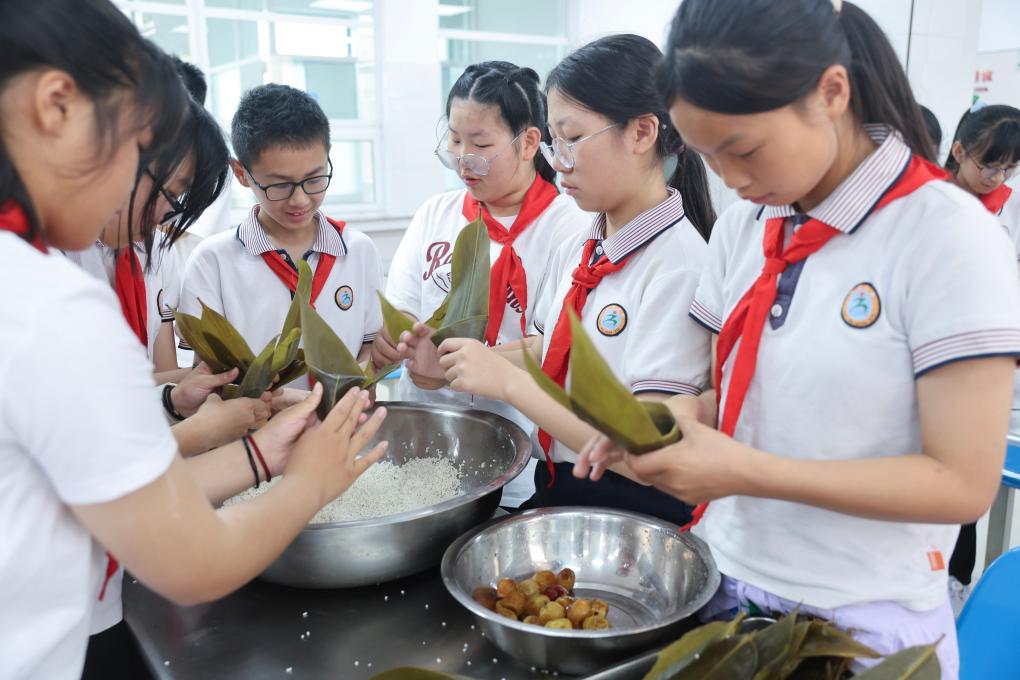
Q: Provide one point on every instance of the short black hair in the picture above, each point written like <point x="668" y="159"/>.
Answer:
<point x="276" y="115"/>
<point x="194" y="79"/>
<point x="931" y="123"/>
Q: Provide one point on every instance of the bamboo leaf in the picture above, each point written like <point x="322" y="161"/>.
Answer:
<point x="913" y="663"/>
<point x="216" y="325"/>
<point x="602" y="401"/>
<point x="775" y="648"/>
<point x="685" y="651"/>
<point x="394" y="320"/>
<point x="469" y="285"/>
<point x="304" y="290"/>
<point x="295" y="370"/>
<point x="191" y="330"/>
<point x="824" y="639"/>
<point x="732" y="658"/>
<point x="259" y="375"/>
<point x="415" y="674"/>
<point x="372" y="376"/>
<point x="286" y="351"/>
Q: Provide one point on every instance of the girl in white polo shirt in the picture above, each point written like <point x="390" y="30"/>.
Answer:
<point x="868" y="319"/>
<point x="496" y="117"/>
<point x="630" y="276"/>
<point x="984" y="156"/>
<point x="281" y="144"/>
<point x="86" y="102"/>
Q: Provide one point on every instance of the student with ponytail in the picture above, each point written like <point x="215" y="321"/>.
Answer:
<point x="868" y="320"/>
<point x="90" y="466"/>
<point x="630" y="277"/>
<point x="496" y="114"/>
<point x="984" y="156"/>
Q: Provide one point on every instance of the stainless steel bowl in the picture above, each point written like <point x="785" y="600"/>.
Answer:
<point x="652" y="576"/>
<point x="490" y="451"/>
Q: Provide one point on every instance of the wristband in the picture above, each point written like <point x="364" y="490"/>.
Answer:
<point x="251" y="461"/>
<point x="168" y="404"/>
<point x="258" y="454"/>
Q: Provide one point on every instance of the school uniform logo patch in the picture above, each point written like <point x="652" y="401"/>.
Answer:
<point x="861" y="306"/>
<point x="344" y="297"/>
<point x="612" y="320"/>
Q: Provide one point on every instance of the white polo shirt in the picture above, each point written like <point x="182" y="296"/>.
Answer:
<point x="228" y="273"/>
<point x="637" y="317"/>
<point x="95" y="434"/>
<point x="162" y="282"/>
<point x="927" y="280"/>
<point x="419" y="277"/>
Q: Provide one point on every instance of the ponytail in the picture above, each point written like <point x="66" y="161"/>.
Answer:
<point x="749" y="56"/>
<point x="691" y="180"/>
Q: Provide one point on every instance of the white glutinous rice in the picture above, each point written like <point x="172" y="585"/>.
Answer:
<point x="385" y="489"/>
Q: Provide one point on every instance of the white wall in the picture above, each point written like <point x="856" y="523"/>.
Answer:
<point x="1000" y="26"/>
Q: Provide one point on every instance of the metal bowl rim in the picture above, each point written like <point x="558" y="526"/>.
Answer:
<point x="450" y="557"/>
<point x="522" y="445"/>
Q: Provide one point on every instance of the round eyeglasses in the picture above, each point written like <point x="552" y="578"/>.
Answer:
<point x="472" y="162"/>
<point x="561" y="151"/>
<point x="989" y="172"/>
<point x="281" y="191"/>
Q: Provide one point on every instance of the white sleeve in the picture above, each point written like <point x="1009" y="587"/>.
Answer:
<point x="668" y="351"/>
<point x="86" y="410"/>
<point x="373" y="282"/>
<point x="170" y="274"/>
<point x="549" y="286"/>
<point x="961" y="302"/>
<point x="707" y="307"/>
<point x="404" y="283"/>
<point x="200" y="281"/>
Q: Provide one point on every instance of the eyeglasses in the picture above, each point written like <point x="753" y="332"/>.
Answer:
<point x="989" y="172"/>
<point x="474" y="163"/>
<point x="281" y="191"/>
<point x="176" y="206"/>
<point x="562" y="151"/>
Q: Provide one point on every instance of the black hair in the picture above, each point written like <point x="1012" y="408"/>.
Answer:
<point x="613" y="77"/>
<point x="276" y="115"/>
<point x="990" y="134"/>
<point x="931" y="124"/>
<point x="100" y="48"/>
<point x="749" y="56"/>
<point x="194" y="79"/>
<point x="200" y="138"/>
<point x="515" y="91"/>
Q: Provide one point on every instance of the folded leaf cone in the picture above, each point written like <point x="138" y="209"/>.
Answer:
<point x="465" y="310"/>
<point x="602" y="401"/>
<point x="328" y="358"/>
<point x="216" y="342"/>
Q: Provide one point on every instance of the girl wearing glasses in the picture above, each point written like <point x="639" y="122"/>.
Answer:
<point x="496" y="114"/>
<point x="630" y="276"/>
<point x="985" y="153"/>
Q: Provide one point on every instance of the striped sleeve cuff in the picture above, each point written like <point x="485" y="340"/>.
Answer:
<point x="370" y="337"/>
<point x="705" y="317"/>
<point x="962" y="346"/>
<point x="666" y="386"/>
<point x="184" y="345"/>
<point x="538" y="327"/>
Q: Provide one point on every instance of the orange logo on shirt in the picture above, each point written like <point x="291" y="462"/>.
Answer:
<point x="861" y="306"/>
<point x="612" y="320"/>
<point x="935" y="560"/>
<point x="344" y="297"/>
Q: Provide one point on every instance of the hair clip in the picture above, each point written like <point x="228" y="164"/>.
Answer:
<point x="978" y="105"/>
<point x="837" y="5"/>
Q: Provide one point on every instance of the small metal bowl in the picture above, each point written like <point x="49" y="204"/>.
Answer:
<point x="490" y="451"/>
<point x="652" y="576"/>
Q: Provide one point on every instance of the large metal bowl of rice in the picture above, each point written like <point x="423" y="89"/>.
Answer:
<point x="442" y="475"/>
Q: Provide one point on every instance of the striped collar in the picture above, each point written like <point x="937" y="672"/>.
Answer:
<point x="854" y="199"/>
<point x="640" y="230"/>
<point x="254" y="238"/>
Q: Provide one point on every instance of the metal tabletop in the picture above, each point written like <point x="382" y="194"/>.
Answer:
<point x="270" y="631"/>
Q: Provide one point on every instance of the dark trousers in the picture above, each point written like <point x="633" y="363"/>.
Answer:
<point x="612" y="491"/>
<point x="961" y="564"/>
<point x="114" y="654"/>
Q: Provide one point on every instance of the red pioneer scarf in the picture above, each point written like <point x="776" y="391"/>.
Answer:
<point x="747" y="320"/>
<point x="14" y="220"/>
<point x="508" y="270"/>
<point x="289" y="276"/>
<point x="129" y="284"/>
<point x="585" y="278"/>
<point x="994" y="200"/>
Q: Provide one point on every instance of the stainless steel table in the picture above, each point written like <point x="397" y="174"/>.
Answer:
<point x="269" y="631"/>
